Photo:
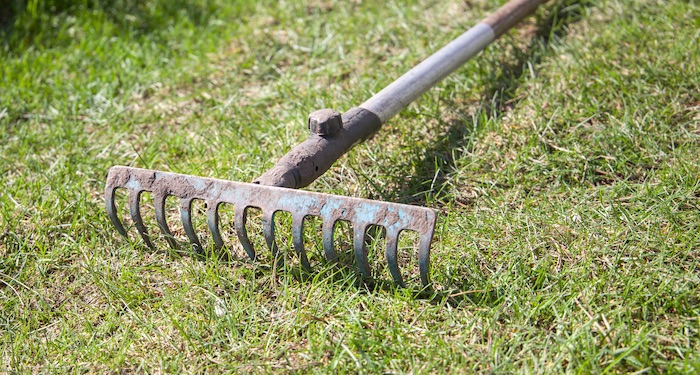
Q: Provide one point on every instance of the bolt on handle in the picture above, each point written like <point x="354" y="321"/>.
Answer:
<point x="325" y="122"/>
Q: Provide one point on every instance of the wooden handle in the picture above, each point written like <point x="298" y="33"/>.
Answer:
<point x="510" y="14"/>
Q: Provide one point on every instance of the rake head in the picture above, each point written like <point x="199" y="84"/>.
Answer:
<point x="362" y="213"/>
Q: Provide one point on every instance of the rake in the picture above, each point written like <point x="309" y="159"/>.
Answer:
<point x="332" y="135"/>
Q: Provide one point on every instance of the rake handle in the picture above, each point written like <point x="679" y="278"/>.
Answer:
<point x="313" y="157"/>
<point x="510" y="14"/>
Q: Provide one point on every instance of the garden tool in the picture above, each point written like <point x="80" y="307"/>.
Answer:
<point x="332" y="135"/>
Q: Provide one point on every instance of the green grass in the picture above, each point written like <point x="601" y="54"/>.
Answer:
<point x="564" y="163"/>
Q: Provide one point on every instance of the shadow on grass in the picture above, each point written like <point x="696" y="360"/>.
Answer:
<point x="498" y="98"/>
<point x="342" y="275"/>
<point x="24" y="23"/>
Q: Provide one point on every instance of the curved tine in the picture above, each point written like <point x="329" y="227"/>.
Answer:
<point x="298" y="240"/>
<point x="135" y="211"/>
<point x="361" y="250"/>
<point x="328" y="248"/>
<point x="268" y="221"/>
<point x="213" y="223"/>
<point x="112" y="210"/>
<point x="159" y="203"/>
<point x="424" y="257"/>
<point x="186" y="216"/>
<point x="239" y="218"/>
<point x="392" y="244"/>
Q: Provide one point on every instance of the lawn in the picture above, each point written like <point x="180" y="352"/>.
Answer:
<point x="563" y="162"/>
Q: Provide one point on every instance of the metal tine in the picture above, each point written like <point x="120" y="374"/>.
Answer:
<point x="112" y="211"/>
<point x="186" y="216"/>
<point x="330" y="209"/>
<point x="213" y="223"/>
<point x="424" y="257"/>
<point x="392" y="244"/>
<point x="298" y="240"/>
<point x="328" y="248"/>
<point x="268" y="221"/>
<point x="135" y="211"/>
<point x="159" y="205"/>
<point x="240" y="217"/>
<point x="361" y="249"/>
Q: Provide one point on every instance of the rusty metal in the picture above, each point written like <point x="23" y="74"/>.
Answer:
<point x="362" y="213"/>
<point x="325" y="122"/>
<point x="303" y="164"/>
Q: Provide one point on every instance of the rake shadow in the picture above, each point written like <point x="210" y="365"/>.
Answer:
<point x="498" y="97"/>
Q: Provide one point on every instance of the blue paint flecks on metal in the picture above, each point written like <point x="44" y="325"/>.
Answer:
<point x="297" y="203"/>
<point x="133" y="185"/>
<point x="330" y="208"/>
<point x="197" y="183"/>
